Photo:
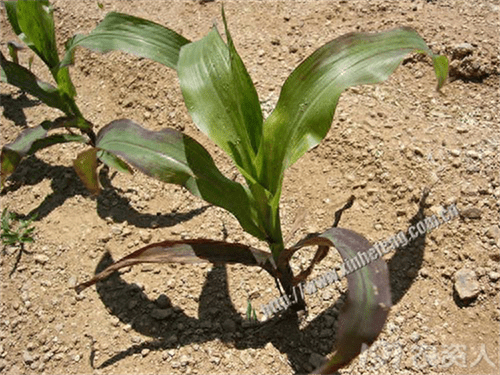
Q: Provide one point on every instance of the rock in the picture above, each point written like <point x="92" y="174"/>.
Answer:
<point x="145" y="352"/>
<point x="494" y="276"/>
<point x="493" y="232"/>
<point x="185" y="360"/>
<point x="41" y="258"/>
<point x="145" y="236"/>
<point x="229" y="325"/>
<point x="3" y="364"/>
<point x="473" y="154"/>
<point x="471" y="213"/>
<point x="466" y="284"/>
<point x="415" y="336"/>
<point x="161" y="314"/>
<point x="162" y="301"/>
<point x="461" y="50"/>
<point x="28" y="358"/>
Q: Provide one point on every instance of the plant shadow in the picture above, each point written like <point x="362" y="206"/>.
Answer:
<point x="132" y="306"/>
<point x="13" y="107"/>
<point x="66" y="184"/>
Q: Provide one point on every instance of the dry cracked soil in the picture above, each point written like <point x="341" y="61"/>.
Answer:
<point x="387" y="144"/>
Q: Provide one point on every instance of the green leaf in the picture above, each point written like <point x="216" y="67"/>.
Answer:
<point x="37" y="24"/>
<point x="25" y="80"/>
<point x="305" y="109"/>
<point x="10" y="7"/>
<point x="368" y="298"/>
<point x="221" y="97"/>
<point x="173" y="157"/>
<point x="140" y="37"/>
<point x="86" y="168"/>
<point x="189" y="252"/>
<point x="114" y="162"/>
<point x="30" y="141"/>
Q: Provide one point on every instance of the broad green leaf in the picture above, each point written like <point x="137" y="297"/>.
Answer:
<point x="173" y="157"/>
<point x="114" y="162"/>
<point x="37" y="24"/>
<point x="188" y="252"/>
<point x="30" y="141"/>
<point x="85" y="166"/>
<point x="25" y="80"/>
<point x="140" y="37"/>
<point x="305" y="109"/>
<point x="221" y="97"/>
<point x="10" y="7"/>
<point x="368" y="298"/>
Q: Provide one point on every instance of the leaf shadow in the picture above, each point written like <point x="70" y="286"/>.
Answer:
<point x="13" y="107"/>
<point x="407" y="260"/>
<point x="132" y="306"/>
<point x="65" y="184"/>
<point x="282" y="331"/>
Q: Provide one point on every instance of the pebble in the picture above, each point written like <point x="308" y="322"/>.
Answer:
<point x="471" y="213"/>
<point x="145" y="352"/>
<point x="3" y="364"/>
<point x="161" y="314"/>
<point x="494" y="276"/>
<point x="493" y="232"/>
<point x="473" y="154"/>
<point x="28" y="358"/>
<point x="145" y="236"/>
<point x="229" y="325"/>
<point x="466" y="284"/>
<point x="162" y="301"/>
<point x="41" y="258"/>
<point x="462" y="50"/>
<point x="185" y="360"/>
<point x="415" y="336"/>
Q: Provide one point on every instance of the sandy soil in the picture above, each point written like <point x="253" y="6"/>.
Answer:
<point x="387" y="143"/>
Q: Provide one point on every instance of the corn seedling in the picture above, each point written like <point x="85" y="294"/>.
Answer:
<point x="223" y="103"/>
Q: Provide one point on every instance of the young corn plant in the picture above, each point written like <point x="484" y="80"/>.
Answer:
<point x="223" y="103"/>
<point x="33" y="23"/>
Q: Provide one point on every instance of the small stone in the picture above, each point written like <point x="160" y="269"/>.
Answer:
<point x="455" y="152"/>
<point x="493" y="232"/>
<point x="462" y="50"/>
<point x="72" y="282"/>
<point x="473" y="154"/>
<point x="145" y="352"/>
<point x="494" y="276"/>
<point x="41" y="258"/>
<point x="3" y="364"/>
<point x="161" y="314"/>
<point x="215" y="360"/>
<point x="28" y="358"/>
<point x="466" y="284"/>
<point x="229" y="325"/>
<point x="261" y="52"/>
<point x="327" y="295"/>
<point x="471" y="213"/>
<point x="162" y="301"/>
<point x="145" y="236"/>
<point x="184" y="360"/>
<point x="292" y="49"/>
<point x="415" y="336"/>
<point x="116" y="230"/>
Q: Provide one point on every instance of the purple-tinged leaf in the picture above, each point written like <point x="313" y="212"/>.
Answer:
<point x="188" y="252"/>
<point x="33" y="139"/>
<point x="86" y="168"/>
<point x="176" y="158"/>
<point x="368" y="298"/>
